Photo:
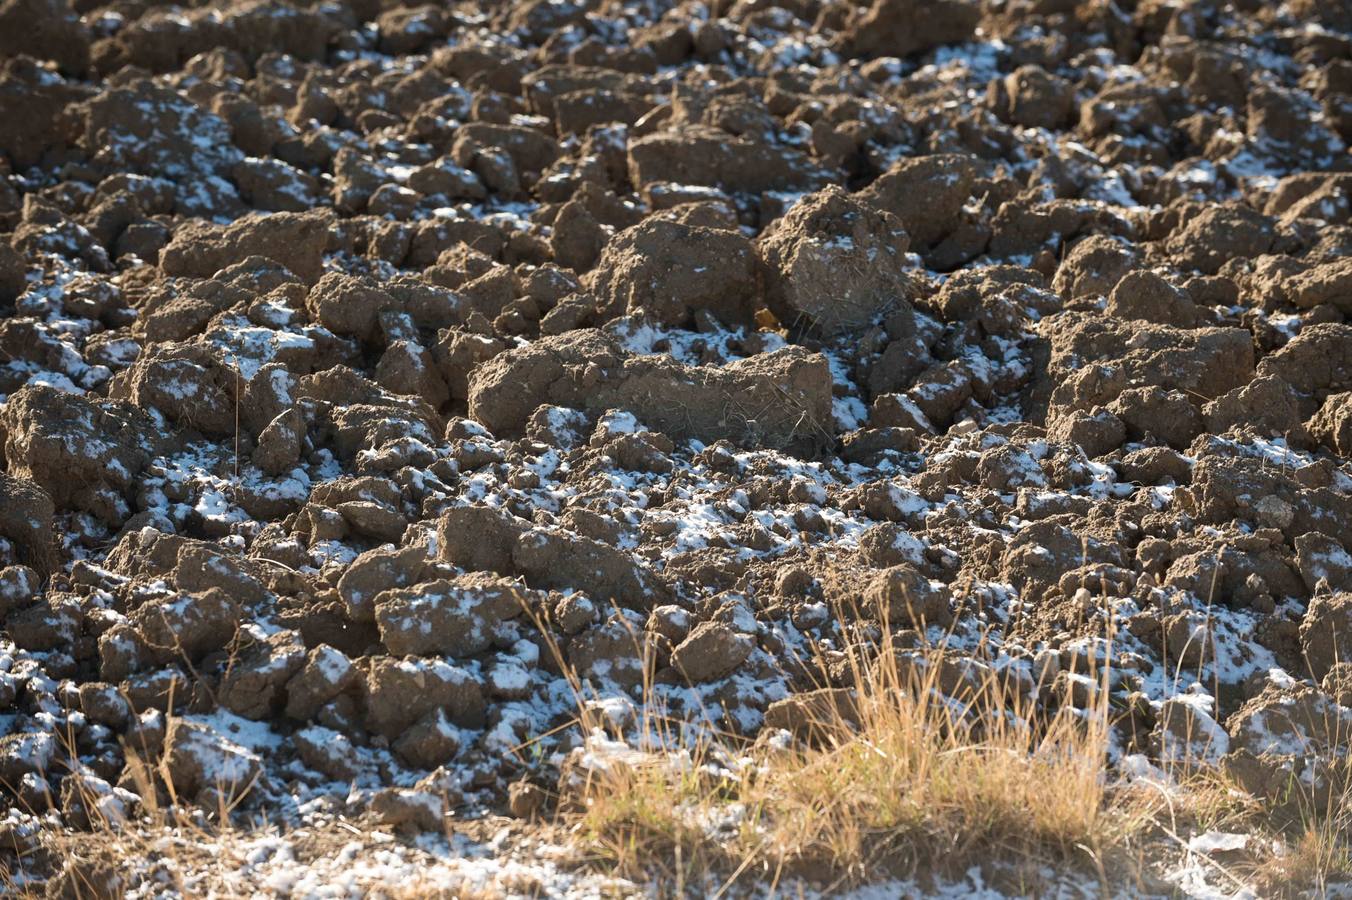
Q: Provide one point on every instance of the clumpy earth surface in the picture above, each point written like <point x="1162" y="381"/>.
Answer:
<point x="379" y="382"/>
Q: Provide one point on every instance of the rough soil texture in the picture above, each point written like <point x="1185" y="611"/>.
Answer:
<point x="365" y="366"/>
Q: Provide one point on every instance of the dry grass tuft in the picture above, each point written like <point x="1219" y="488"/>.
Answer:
<point x="1313" y="853"/>
<point x="1320" y="856"/>
<point x="892" y="777"/>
